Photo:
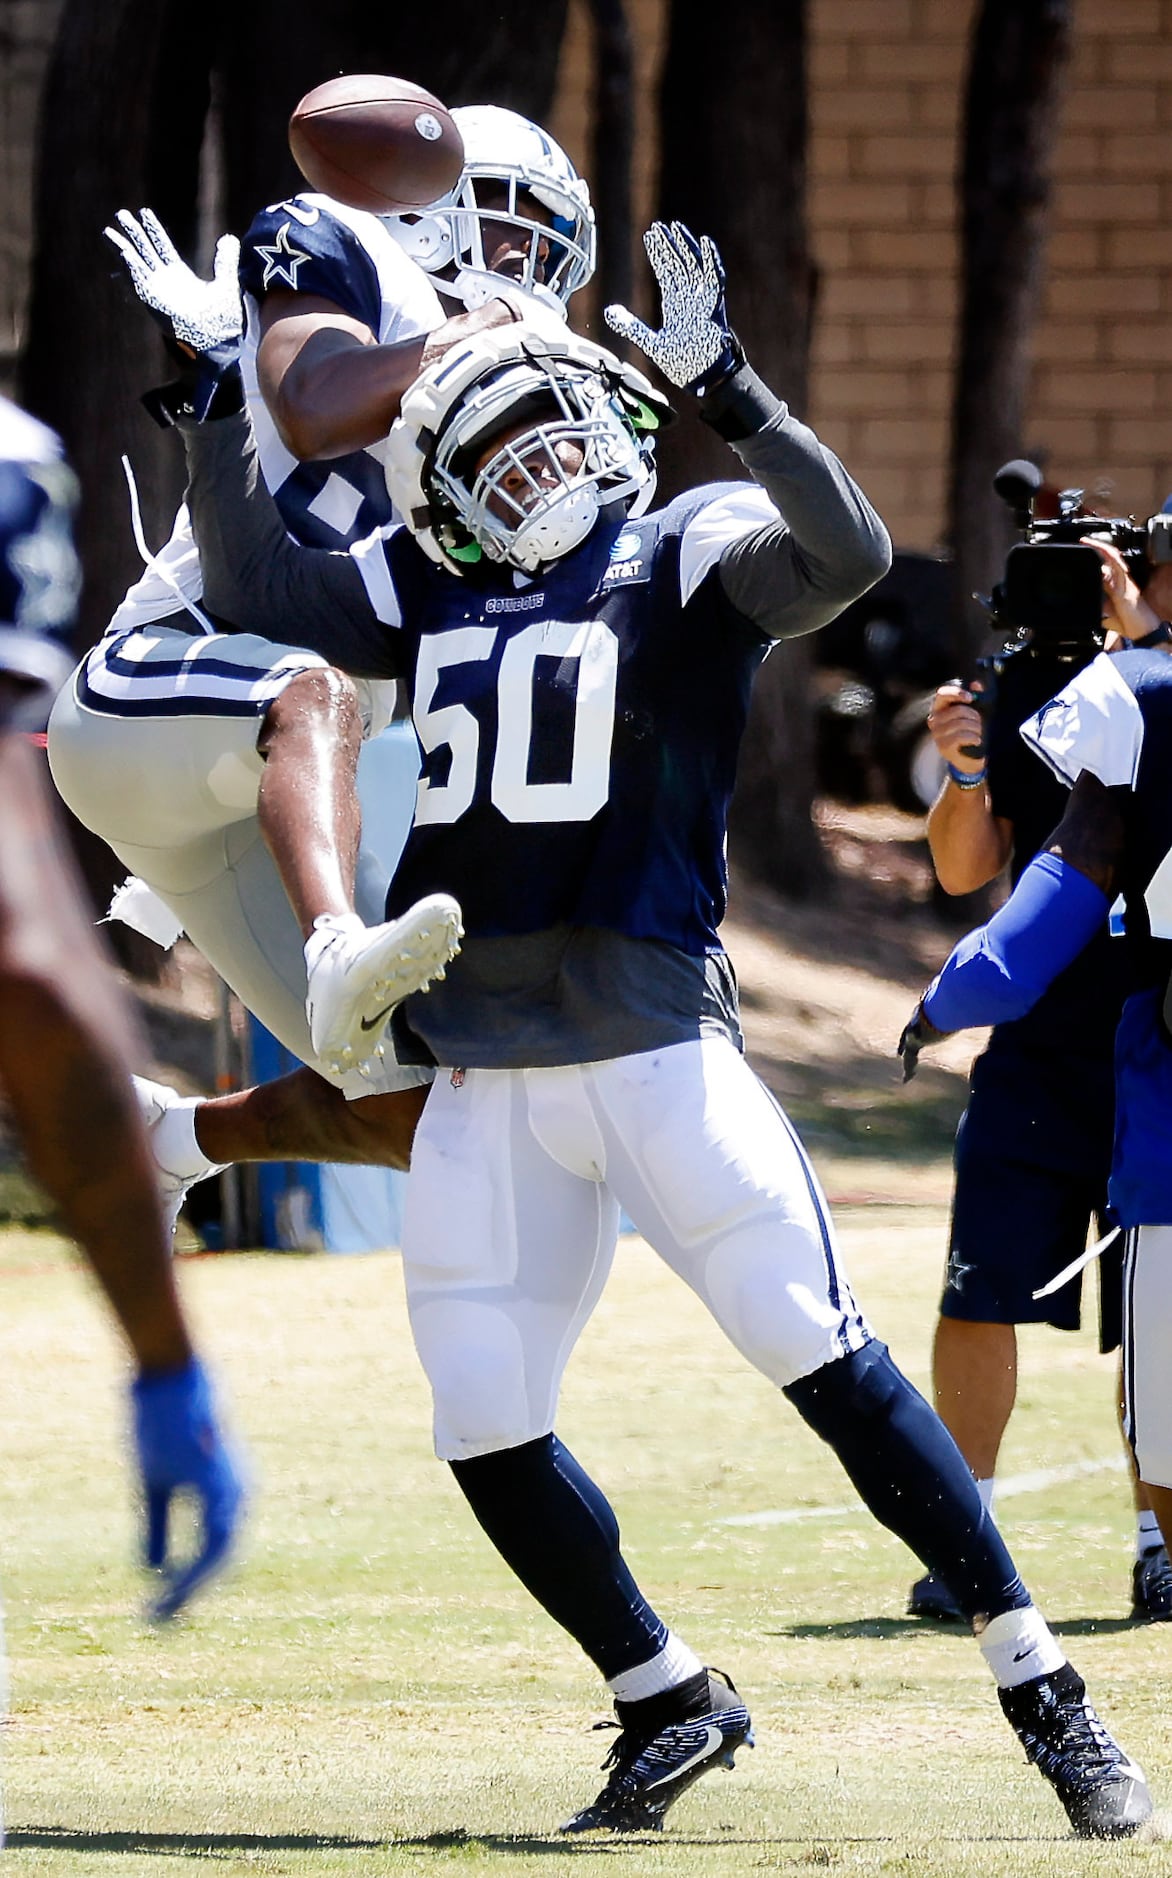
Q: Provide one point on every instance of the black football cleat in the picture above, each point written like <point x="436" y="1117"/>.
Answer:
<point x="666" y="1743"/>
<point x="930" y="1597"/>
<point x="1104" y="1792"/>
<point x="1151" y="1588"/>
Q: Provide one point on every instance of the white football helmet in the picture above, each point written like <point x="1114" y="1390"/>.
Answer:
<point x="505" y="158"/>
<point x="520" y="504"/>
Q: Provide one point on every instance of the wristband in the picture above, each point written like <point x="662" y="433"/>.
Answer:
<point x="964" y="781"/>
<point x="1159" y="636"/>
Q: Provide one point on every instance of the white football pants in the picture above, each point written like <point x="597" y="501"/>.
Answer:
<point x="1147" y="1350"/>
<point x="512" y="1214"/>
<point x="152" y="744"/>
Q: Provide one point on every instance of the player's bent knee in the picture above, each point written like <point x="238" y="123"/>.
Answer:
<point x="758" y="1291"/>
<point x="864" y="1385"/>
<point x="322" y="695"/>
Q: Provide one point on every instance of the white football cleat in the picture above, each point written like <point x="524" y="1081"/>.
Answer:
<point x="358" y="974"/>
<point x="179" y="1160"/>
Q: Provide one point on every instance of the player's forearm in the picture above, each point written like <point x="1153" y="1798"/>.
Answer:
<point x="968" y="843"/>
<point x="77" y="1123"/>
<point x="337" y="395"/>
<point x="255" y="576"/>
<point x="330" y="394"/>
<point x="832" y="547"/>
<point x="999" y="972"/>
<point x="65" y="1070"/>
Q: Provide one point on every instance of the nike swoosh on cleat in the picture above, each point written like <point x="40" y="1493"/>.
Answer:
<point x="714" y="1738"/>
<point x="371" y="1023"/>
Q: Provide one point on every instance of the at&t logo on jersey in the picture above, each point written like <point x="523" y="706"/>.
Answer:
<point x="626" y="559"/>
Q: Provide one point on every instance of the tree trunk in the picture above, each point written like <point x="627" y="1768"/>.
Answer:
<point x="1019" y="53"/>
<point x="612" y="144"/>
<point x="280" y="49"/>
<point x="734" y="134"/>
<point x="467" y="53"/>
<point x="89" y="352"/>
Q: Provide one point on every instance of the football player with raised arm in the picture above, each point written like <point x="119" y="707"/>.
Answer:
<point x="579" y="671"/>
<point x="220" y="768"/>
<point x="66" y="1035"/>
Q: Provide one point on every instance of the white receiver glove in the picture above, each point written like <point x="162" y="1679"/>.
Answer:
<point x="202" y="315"/>
<point x="694" y="347"/>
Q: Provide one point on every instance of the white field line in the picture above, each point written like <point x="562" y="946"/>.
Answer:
<point x="1007" y="1489"/>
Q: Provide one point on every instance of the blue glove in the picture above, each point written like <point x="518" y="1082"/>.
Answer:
<point x="694" y="347"/>
<point x="180" y="1446"/>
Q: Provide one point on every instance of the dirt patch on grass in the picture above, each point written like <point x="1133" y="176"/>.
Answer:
<point x="826" y="990"/>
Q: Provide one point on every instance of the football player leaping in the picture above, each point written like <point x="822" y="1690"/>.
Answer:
<point x="220" y="768"/>
<point x="579" y="672"/>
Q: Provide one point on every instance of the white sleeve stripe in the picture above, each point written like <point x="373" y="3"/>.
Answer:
<point x="370" y="556"/>
<point x="1094" y="724"/>
<point x="708" y="534"/>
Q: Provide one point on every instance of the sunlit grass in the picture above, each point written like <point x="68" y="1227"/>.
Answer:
<point x="369" y="1692"/>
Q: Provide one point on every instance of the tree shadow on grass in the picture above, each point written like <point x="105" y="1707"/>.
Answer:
<point x="892" y="1629"/>
<point x="213" y="1845"/>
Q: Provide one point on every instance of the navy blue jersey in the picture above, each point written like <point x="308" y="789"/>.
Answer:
<point x="39" y="573"/>
<point x="314" y="246"/>
<point x="1079" y="1013"/>
<point x="579" y="734"/>
<point x="1116" y="721"/>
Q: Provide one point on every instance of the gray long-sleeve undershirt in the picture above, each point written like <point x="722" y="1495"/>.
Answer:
<point x="788" y="578"/>
<point x="565" y="995"/>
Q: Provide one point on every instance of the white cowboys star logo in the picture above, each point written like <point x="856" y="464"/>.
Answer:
<point x="957" y="1272"/>
<point x="282" y="261"/>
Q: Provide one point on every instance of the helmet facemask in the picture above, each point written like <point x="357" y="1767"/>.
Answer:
<point x="509" y="448"/>
<point x="517" y="179"/>
<point x="528" y="504"/>
<point x="556" y="249"/>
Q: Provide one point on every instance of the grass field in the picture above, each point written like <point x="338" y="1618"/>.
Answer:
<point x="368" y="1692"/>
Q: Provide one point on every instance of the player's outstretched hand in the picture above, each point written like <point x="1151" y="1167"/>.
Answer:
<point x="198" y="314"/>
<point x="181" y="1448"/>
<point x="202" y="319"/>
<point x="694" y="347"/>
<point x="915" y="1036"/>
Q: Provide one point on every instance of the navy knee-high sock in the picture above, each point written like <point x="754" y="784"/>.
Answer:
<point x="556" y="1530"/>
<point x="911" y="1474"/>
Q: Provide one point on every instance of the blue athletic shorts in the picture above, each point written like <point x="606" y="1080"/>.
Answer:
<point x="1033" y="1152"/>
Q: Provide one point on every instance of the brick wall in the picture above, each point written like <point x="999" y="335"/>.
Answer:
<point x="886" y="86"/>
<point x="886" y="78"/>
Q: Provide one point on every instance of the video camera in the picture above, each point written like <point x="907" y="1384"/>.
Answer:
<point x="1051" y="594"/>
<point x="1050" y="598"/>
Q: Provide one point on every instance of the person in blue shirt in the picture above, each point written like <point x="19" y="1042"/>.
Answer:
<point x="1033" y="1148"/>
<point x="1108" y="736"/>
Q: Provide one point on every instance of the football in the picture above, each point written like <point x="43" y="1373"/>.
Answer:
<point x="376" y="143"/>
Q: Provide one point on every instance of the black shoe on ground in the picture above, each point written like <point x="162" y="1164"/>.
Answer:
<point x="666" y="1743"/>
<point x="930" y="1597"/>
<point x="1151" y="1588"/>
<point x="1104" y="1792"/>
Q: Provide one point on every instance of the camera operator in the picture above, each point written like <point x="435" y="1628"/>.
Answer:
<point x="1033" y="1148"/>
